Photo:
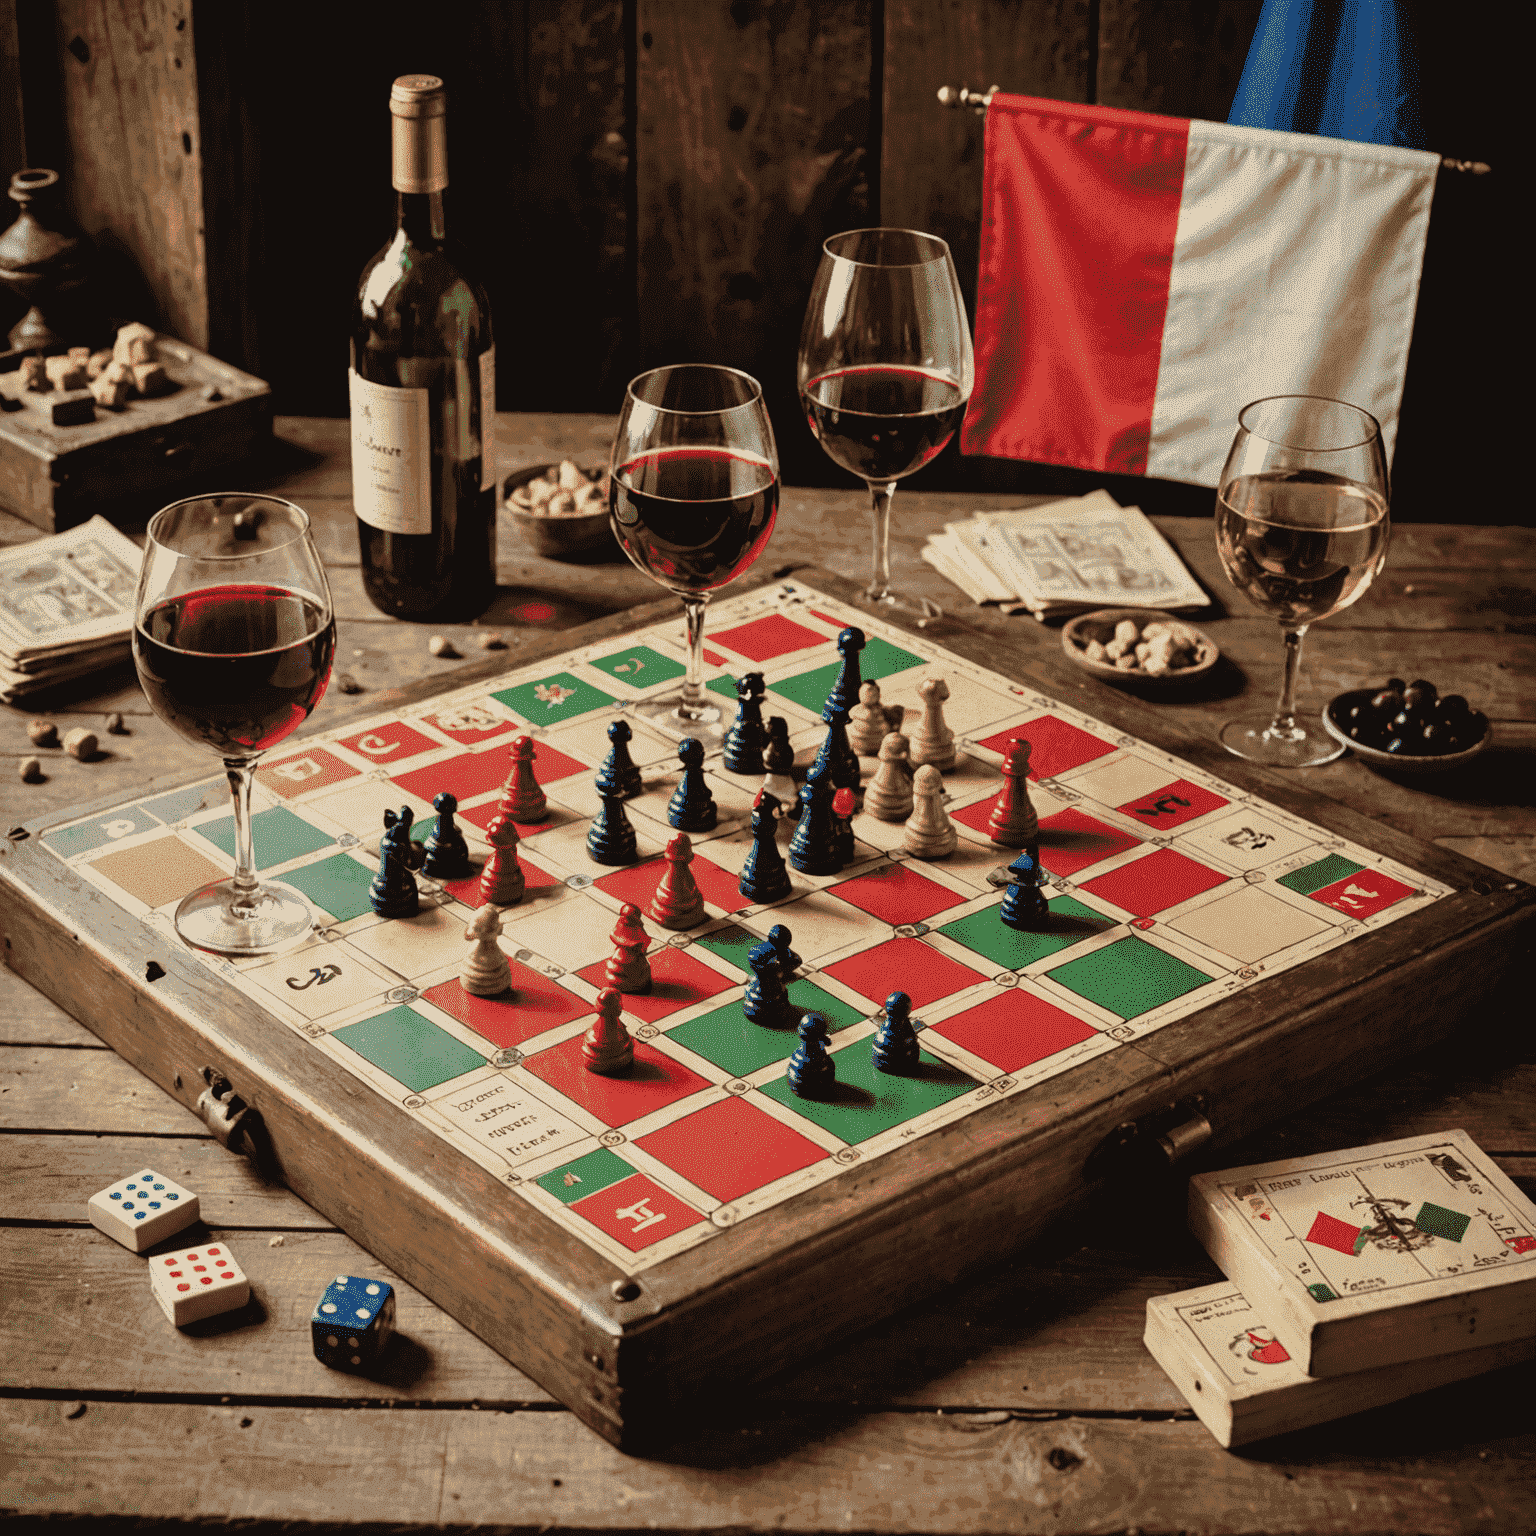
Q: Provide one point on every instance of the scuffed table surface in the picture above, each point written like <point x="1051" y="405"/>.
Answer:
<point x="1023" y="1402"/>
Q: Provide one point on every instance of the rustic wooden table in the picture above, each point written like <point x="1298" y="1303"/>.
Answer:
<point x="1024" y="1402"/>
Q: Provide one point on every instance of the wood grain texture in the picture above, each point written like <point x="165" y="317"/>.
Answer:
<point x="1182" y="58"/>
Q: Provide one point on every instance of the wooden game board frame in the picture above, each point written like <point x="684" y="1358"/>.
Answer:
<point x="630" y="1355"/>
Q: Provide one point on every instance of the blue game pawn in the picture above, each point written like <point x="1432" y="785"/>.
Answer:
<point x="810" y="1072"/>
<point x="618" y="776"/>
<point x="1025" y="906"/>
<point x="692" y="807"/>
<point x="743" y="748"/>
<point x="392" y="892"/>
<point x="789" y="962"/>
<point x="447" y="854"/>
<point x="763" y="877"/>
<point x="836" y="754"/>
<point x="767" y="1000"/>
<point x="894" y="1048"/>
<point x="813" y="848"/>
<point x="611" y="838"/>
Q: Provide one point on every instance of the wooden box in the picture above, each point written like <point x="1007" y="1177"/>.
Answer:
<point x="633" y="1347"/>
<point x="57" y="476"/>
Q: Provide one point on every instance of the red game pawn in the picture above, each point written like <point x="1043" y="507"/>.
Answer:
<point x="502" y="882"/>
<point x="521" y="797"/>
<point x="677" y="903"/>
<point x="1013" y="823"/>
<point x="606" y="1048"/>
<point x="628" y="969"/>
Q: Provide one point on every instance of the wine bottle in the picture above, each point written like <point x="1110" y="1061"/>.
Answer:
<point x="423" y="391"/>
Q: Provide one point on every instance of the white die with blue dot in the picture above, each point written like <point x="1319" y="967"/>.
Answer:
<point x="142" y="1209"/>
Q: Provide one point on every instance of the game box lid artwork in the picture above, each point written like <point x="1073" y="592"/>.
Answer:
<point x="1219" y="944"/>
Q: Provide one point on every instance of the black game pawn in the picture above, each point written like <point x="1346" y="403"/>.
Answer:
<point x="845" y="691"/>
<point x="392" y="892"/>
<point x="813" y="849"/>
<point x="743" y="751"/>
<point x="767" y="1000"/>
<point x="894" y="1048"/>
<point x="447" y="854"/>
<point x="692" y="807"/>
<point x="618" y="776"/>
<point x="1024" y="905"/>
<point x="789" y="962"/>
<point x="810" y="1073"/>
<point x="611" y="838"/>
<point x="764" y="878"/>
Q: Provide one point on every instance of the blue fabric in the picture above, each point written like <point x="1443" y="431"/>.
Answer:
<point x="1342" y="68"/>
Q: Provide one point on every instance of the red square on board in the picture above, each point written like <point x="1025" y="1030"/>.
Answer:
<point x="485" y="813"/>
<point x="1362" y="893"/>
<point x="714" y="658"/>
<point x="731" y="1148"/>
<point x="471" y="723"/>
<point x="896" y="893"/>
<point x="652" y="1083"/>
<point x="638" y="883"/>
<point x="389" y="743"/>
<point x="467" y="890"/>
<point x="1521" y="1244"/>
<point x="304" y="771"/>
<point x="1014" y="1030"/>
<point x="903" y="965"/>
<point x="678" y="980"/>
<point x="534" y="1004"/>
<point x="1054" y="746"/>
<point x="473" y="773"/>
<point x="638" y="1212"/>
<point x="1153" y="884"/>
<point x="1070" y="841"/>
<point x="1172" y="805"/>
<point x="764" y="639"/>
<point x="1329" y="1232"/>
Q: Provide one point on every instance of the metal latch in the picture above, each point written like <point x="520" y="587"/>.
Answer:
<point x="226" y="1114"/>
<point x="1155" y="1142"/>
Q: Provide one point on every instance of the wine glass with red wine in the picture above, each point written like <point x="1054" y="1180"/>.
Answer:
<point x="233" y="638"/>
<point x="693" y="491"/>
<point x="1302" y="529"/>
<point x="885" y="366"/>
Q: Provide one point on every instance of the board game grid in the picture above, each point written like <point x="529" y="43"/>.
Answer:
<point x="1169" y="889"/>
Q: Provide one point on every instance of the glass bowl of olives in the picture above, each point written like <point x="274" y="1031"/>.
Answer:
<point x="1407" y="728"/>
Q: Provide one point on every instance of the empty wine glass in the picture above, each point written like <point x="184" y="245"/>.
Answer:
<point x="233" y="639"/>
<point x="693" y="492"/>
<point x="1301" y="527"/>
<point x="885" y="366"/>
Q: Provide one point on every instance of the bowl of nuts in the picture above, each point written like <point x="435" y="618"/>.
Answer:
<point x="1138" y="646"/>
<point x="560" y="509"/>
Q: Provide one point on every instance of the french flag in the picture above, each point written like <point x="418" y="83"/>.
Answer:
<point x="1142" y="278"/>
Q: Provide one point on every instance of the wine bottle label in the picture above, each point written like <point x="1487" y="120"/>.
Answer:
<point x="391" y="456"/>
<point x="488" y="418"/>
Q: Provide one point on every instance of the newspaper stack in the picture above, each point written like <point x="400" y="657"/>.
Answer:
<point x="66" y="607"/>
<point x="1064" y="558"/>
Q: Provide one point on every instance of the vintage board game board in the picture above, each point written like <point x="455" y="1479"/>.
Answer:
<point x="632" y="1241"/>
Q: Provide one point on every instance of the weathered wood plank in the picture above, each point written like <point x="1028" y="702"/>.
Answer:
<point x="29" y="1018"/>
<point x="1183" y="59"/>
<point x="47" y="1089"/>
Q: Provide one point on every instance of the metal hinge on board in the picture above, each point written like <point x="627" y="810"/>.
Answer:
<point x="1154" y="1142"/>
<point x="227" y="1115"/>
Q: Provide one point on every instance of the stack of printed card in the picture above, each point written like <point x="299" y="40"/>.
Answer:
<point x="66" y="606"/>
<point x="1356" y="1278"/>
<point x="1064" y="558"/>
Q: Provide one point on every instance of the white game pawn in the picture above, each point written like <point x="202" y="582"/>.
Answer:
<point x="867" y="726"/>
<point x="929" y="833"/>
<point x="888" y="795"/>
<point x="933" y="741"/>
<point x="486" y="972"/>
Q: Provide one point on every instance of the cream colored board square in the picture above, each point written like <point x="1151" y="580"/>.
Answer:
<point x="823" y="924"/>
<point x="319" y="979"/>
<point x="1245" y="839"/>
<point x="564" y="847"/>
<point x="730" y="853"/>
<point x="1122" y="780"/>
<point x="360" y="807"/>
<point x="732" y="802"/>
<point x="586" y="737"/>
<point x="569" y="934"/>
<point x="1248" y="924"/>
<point x="969" y="707"/>
<point x="411" y="946"/>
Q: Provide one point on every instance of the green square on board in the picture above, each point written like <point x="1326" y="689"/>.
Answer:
<point x="728" y="1038"/>
<point x="878" y="659"/>
<point x="337" y="885"/>
<point x="1439" y="1222"/>
<point x="576" y="1180"/>
<point x="731" y="943"/>
<point x="1129" y="977"/>
<point x="278" y="836"/>
<point x="639" y="666"/>
<point x="552" y="699"/>
<point x="988" y="935"/>
<point x="724" y="686"/>
<point x="867" y="1100"/>
<point x="412" y="1049"/>
<point x="1315" y="876"/>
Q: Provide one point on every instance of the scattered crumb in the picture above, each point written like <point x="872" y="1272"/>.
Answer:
<point x="347" y="683"/>
<point x="115" y="725"/>
<point x="489" y="640"/>
<point x="43" y="733"/>
<point x="30" y="770"/>
<point x="275" y="1242"/>
<point x="81" y="744"/>
<point x="441" y="645"/>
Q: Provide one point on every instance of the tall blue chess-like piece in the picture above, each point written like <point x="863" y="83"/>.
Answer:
<point x="447" y="853"/>
<point x="743" y="747"/>
<point x="837" y="755"/>
<point x="813" y="848"/>
<point x="789" y="962"/>
<point x="767" y="999"/>
<point x="894" y="1048"/>
<point x="764" y="877"/>
<point x="392" y="892"/>
<point x="618" y="776"/>
<point x="611" y="837"/>
<point x="811" y="1073"/>
<point x="1024" y="905"/>
<point x="692" y="807"/>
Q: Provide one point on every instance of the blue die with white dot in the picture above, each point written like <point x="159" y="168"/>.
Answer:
<point x="143" y="1209"/>
<point x="352" y="1322"/>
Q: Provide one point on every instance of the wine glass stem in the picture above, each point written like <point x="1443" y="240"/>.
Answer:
<point x="881" y="494"/>
<point x="693" y="679"/>
<point x="1285" y="709"/>
<point x="240" y="773"/>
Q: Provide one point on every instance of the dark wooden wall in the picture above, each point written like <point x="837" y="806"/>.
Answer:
<point x="650" y="180"/>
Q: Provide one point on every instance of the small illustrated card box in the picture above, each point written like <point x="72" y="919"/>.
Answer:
<point x="1372" y="1256"/>
<point x="1244" y="1385"/>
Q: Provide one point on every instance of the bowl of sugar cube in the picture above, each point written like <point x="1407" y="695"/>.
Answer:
<point x="1138" y="646"/>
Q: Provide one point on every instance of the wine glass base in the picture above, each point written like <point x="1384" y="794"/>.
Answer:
<point x="1258" y="741"/>
<point x="919" y="608"/>
<point x="276" y="918"/>
<point x="670" y="714"/>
